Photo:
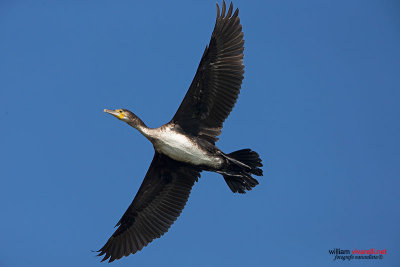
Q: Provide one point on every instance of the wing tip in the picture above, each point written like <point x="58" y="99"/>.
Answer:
<point x="221" y="13"/>
<point x="230" y="10"/>
<point x="223" y="9"/>
<point x="102" y="252"/>
<point x="108" y="256"/>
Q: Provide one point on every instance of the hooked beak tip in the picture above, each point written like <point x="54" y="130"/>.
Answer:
<point x="112" y="112"/>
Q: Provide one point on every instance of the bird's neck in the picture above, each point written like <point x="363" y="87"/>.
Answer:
<point x="142" y="128"/>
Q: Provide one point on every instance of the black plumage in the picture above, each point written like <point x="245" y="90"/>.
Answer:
<point x="186" y="145"/>
<point x="216" y="85"/>
<point x="157" y="204"/>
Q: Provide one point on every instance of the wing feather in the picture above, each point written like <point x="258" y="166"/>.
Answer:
<point x="158" y="203"/>
<point x="217" y="82"/>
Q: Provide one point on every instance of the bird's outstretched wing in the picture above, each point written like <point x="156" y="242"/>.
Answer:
<point x="218" y="79"/>
<point x="158" y="203"/>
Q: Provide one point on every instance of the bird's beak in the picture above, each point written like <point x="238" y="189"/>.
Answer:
<point x="114" y="113"/>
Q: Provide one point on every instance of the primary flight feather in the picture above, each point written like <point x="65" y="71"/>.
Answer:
<point x="185" y="146"/>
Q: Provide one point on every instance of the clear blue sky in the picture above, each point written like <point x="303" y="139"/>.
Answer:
<point x="319" y="102"/>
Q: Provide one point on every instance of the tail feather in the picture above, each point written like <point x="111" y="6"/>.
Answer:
<point x="238" y="184"/>
<point x="242" y="164"/>
<point x="250" y="158"/>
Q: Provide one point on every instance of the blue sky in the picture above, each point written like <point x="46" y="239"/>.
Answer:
<point x="319" y="102"/>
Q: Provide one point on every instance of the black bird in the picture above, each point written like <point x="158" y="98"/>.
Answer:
<point x="185" y="146"/>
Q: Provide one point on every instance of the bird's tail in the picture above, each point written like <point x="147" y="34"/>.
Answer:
<point x="241" y="165"/>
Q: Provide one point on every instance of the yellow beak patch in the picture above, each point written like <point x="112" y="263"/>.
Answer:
<point x="121" y="114"/>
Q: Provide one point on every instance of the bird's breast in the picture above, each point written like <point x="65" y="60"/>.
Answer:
<point x="182" y="148"/>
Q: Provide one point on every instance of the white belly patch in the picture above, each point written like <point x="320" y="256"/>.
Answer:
<point x="181" y="148"/>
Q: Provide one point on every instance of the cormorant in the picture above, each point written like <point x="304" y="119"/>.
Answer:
<point x="185" y="146"/>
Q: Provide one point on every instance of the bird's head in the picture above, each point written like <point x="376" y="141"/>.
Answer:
<point x="124" y="115"/>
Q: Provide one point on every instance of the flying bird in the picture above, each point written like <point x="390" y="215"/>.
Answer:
<point x="185" y="146"/>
